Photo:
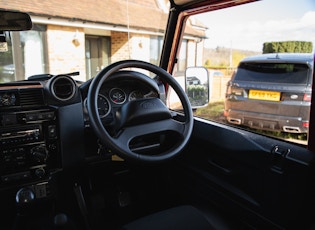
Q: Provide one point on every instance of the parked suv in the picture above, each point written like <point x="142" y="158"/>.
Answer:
<point x="271" y="92"/>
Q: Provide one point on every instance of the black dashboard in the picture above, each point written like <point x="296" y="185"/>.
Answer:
<point x="45" y="127"/>
<point x="29" y="132"/>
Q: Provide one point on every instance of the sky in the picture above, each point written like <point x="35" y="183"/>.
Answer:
<point x="248" y="26"/>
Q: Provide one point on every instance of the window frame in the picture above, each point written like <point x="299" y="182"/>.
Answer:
<point x="175" y="32"/>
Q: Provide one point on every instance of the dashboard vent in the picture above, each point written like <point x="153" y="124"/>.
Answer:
<point x="63" y="88"/>
<point x="31" y="97"/>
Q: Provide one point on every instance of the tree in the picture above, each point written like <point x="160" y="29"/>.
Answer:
<point x="207" y="63"/>
<point x="288" y="47"/>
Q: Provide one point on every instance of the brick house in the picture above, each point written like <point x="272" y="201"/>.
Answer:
<point x="86" y="35"/>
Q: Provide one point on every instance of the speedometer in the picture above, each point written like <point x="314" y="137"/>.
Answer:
<point x="103" y="106"/>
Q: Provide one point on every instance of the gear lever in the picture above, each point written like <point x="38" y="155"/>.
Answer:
<point x="23" y="197"/>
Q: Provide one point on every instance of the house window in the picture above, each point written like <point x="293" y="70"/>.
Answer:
<point x="156" y="44"/>
<point x="6" y="62"/>
<point x="33" y="49"/>
<point x="26" y="54"/>
<point x="182" y="59"/>
<point x="97" y="54"/>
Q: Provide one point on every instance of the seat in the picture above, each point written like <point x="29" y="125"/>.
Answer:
<point x="185" y="217"/>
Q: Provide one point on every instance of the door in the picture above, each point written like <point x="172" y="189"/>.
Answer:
<point x="264" y="182"/>
<point x="264" y="179"/>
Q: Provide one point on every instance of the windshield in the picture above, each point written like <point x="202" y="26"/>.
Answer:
<point x="273" y="72"/>
<point x="66" y="39"/>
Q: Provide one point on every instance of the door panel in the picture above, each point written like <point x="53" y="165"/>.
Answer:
<point x="263" y="181"/>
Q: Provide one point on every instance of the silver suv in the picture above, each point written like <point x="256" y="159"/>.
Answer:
<point x="271" y="92"/>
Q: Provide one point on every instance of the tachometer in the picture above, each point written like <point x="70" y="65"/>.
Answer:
<point x="118" y="96"/>
<point x="103" y="106"/>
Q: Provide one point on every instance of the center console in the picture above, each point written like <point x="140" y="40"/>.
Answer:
<point x="29" y="146"/>
<point x="41" y="150"/>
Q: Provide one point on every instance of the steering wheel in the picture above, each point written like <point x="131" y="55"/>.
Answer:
<point x="142" y="117"/>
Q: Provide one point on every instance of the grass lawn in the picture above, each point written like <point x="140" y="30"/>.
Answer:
<point x="213" y="111"/>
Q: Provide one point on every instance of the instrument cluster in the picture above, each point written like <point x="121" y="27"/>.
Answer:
<point x="111" y="97"/>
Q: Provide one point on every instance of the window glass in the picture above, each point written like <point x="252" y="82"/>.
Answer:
<point x="6" y="62"/>
<point x="182" y="60"/>
<point x="33" y="50"/>
<point x="156" y="43"/>
<point x="260" y="67"/>
<point x="273" y="72"/>
<point x="97" y="54"/>
<point x="77" y="42"/>
<point x="26" y="55"/>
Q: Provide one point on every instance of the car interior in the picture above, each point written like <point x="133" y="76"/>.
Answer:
<point x="72" y="158"/>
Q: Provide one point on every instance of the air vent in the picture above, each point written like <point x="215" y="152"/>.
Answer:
<point x="31" y="97"/>
<point x="63" y="88"/>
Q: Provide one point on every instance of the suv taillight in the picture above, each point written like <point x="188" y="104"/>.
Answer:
<point x="237" y="91"/>
<point x="307" y="97"/>
<point x="305" y="124"/>
<point x="228" y="91"/>
<point x="233" y="90"/>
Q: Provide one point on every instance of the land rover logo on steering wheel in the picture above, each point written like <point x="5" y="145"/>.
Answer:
<point x="147" y="105"/>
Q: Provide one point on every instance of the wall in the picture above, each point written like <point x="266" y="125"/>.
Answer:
<point x="217" y="92"/>
<point x="66" y="50"/>
<point x="140" y="47"/>
<point x="119" y="46"/>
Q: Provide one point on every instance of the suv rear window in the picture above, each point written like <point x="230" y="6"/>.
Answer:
<point x="290" y="73"/>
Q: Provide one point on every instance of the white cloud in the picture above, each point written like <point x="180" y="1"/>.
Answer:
<point x="250" y="35"/>
<point x="308" y="19"/>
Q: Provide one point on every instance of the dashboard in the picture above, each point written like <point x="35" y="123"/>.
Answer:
<point x="45" y="126"/>
<point x="30" y="146"/>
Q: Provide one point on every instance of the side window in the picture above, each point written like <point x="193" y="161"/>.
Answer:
<point x="259" y="68"/>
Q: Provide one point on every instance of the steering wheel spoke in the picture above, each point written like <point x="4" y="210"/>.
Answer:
<point x="128" y="133"/>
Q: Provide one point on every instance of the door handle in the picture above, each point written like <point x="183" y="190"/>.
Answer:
<point x="278" y="156"/>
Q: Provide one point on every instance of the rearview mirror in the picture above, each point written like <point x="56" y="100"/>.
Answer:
<point x="197" y="86"/>
<point x="14" y="21"/>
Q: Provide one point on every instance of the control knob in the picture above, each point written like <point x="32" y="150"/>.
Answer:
<point x="39" y="153"/>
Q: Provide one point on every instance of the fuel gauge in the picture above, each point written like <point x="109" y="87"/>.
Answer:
<point x="136" y="94"/>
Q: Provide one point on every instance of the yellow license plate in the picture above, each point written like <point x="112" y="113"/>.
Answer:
<point x="264" y="95"/>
